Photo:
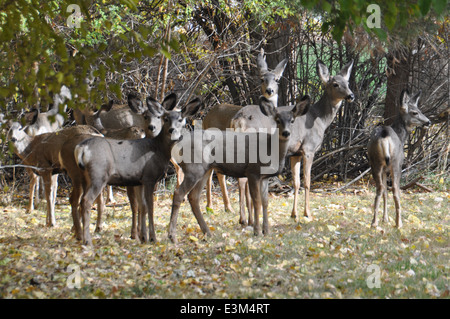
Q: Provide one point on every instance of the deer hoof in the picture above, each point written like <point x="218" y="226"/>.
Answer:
<point x="242" y="222"/>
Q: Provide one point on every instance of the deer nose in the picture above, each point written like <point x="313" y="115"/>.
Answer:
<point x="13" y="139"/>
<point x="171" y="130"/>
<point x="151" y="128"/>
<point x="428" y="123"/>
<point x="286" y="133"/>
<point x="269" y="91"/>
<point x="350" y="97"/>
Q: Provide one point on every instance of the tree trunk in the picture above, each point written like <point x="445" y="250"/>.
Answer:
<point x="277" y="49"/>
<point x="397" y="79"/>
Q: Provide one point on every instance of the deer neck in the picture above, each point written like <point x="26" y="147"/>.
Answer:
<point x="164" y="142"/>
<point x="22" y="145"/>
<point x="400" y="128"/>
<point x="274" y="100"/>
<point x="326" y="109"/>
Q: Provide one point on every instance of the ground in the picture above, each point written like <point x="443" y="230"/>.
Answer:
<point x="337" y="255"/>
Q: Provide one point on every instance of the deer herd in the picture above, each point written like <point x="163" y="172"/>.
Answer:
<point x="132" y="145"/>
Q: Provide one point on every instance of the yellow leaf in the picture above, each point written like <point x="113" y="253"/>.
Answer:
<point x="246" y="283"/>
<point x="194" y="239"/>
<point x="413" y="219"/>
<point x="235" y="267"/>
<point x="229" y="248"/>
<point x="331" y="227"/>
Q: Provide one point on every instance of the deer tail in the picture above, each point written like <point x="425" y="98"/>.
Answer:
<point x="386" y="145"/>
<point x="79" y="156"/>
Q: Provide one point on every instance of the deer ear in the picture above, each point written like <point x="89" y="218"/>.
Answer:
<point x="347" y="70"/>
<point x="415" y="98"/>
<point x="261" y="62"/>
<point x="280" y="69"/>
<point x="107" y="107"/>
<point x="192" y="107"/>
<point x="266" y="106"/>
<point x="135" y="103"/>
<point x="302" y="106"/>
<point x="404" y="99"/>
<point x="170" y="101"/>
<point x="154" y="106"/>
<point x="322" y="71"/>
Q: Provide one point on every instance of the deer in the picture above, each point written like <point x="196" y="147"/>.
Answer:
<point x="307" y="132"/>
<point x="50" y="154"/>
<point x="40" y="123"/>
<point x="153" y="126"/>
<point x="121" y="121"/>
<point x="114" y="116"/>
<point x="51" y="120"/>
<point x="248" y="160"/>
<point x="140" y="162"/>
<point x="220" y="116"/>
<point x="386" y="154"/>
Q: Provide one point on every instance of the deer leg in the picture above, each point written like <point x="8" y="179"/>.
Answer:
<point x="255" y="192"/>
<point x="396" y="192"/>
<point x="208" y="190"/>
<point x="194" y="200"/>
<point x="134" y="211"/>
<point x="148" y="193"/>
<point x="295" y="170"/>
<point x="74" y="203"/>
<point x="385" y="198"/>
<point x="48" y="184"/>
<point x="250" y="206"/>
<point x="109" y="195"/>
<point x="265" y="204"/>
<point x="242" y="182"/>
<point x="379" y="182"/>
<point x="307" y="163"/>
<point x="93" y="191"/>
<point x="100" y="210"/>
<point x="223" y="187"/>
<point x="190" y="180"/>
<point x="142" y="213"/>
<point x="34" y="186"/>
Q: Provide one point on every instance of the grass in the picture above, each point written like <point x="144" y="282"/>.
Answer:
<point x="334" y="256"/>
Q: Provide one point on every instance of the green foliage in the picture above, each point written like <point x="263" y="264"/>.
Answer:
<point x="44" y="51"/>
<point x="40" y="51"/>
<point x="397" y="16"/>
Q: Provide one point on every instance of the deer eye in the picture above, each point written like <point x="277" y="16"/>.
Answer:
<point x="414" y="113"/>
<point x="335" y="85"/>
<point x="293" y="120"/>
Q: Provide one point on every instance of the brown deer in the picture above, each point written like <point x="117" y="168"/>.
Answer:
<point x="386" y="154"/>
<point x="50" y="154"/>
<point x="40" y="123"/>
